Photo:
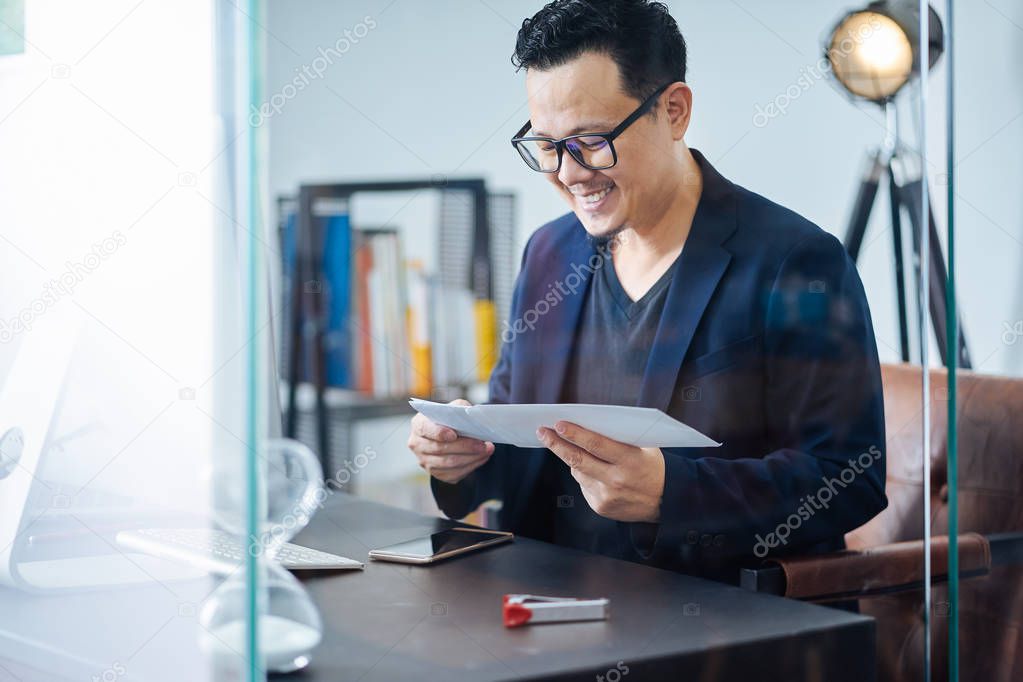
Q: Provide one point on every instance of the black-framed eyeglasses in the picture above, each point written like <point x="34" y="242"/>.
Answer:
<point x="595" y="151"/>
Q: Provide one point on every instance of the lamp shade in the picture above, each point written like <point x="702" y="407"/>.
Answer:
<point x="874" y="52"/>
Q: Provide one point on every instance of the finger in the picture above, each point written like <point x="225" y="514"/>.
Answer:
<point x="573" y="455"/>
<point x="450" y="463"/>
<point x="592" y="442"/>
<point x="421" y="426"/>
<point x="461" y="447"/>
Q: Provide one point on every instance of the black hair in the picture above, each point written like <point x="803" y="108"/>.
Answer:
<point x="639" y="35"/>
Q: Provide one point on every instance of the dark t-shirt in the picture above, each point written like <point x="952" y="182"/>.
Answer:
<point x="612" y="344"/>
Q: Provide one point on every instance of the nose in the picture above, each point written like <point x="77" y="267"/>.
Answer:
<point x="572" y="173"/>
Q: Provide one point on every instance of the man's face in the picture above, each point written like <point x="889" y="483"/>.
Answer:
<point x="585" y="95"/>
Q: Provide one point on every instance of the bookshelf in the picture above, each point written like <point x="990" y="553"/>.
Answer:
<point x="475" y="255"/>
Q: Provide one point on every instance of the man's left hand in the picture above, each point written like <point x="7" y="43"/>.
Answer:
<point x="619" y="481"/>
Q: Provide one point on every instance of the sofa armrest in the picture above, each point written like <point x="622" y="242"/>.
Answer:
<point x="895" y="567"/>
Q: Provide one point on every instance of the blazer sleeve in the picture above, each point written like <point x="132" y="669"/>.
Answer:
<point x="825" y="473"/>
<point x="486" y="483"/>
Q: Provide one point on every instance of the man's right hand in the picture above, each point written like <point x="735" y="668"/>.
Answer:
<point x="442" y="453"/>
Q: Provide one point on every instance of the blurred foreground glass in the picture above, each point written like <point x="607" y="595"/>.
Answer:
<point x="122" y="337"/>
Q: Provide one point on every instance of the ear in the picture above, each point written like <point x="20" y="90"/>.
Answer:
<point x="678" y="99"/>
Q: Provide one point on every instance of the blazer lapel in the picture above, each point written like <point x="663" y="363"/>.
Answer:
<point x="555" y="334"/>
<point x="697" y="273"/>
<point x="553" y="341"/>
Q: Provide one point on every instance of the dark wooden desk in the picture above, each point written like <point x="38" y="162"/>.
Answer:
<point x="443" y="622"/>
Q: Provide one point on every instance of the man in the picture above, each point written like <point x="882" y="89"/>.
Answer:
<point x="668" y="287"/>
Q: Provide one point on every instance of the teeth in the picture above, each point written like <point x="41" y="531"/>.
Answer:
<point x="594" y="198"/>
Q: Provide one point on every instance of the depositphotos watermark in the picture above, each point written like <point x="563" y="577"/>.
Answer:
<point x="810" y="504"/>
<point x="1011" y="333"/>
<point x="54" y="290"/>
<point x="314" y="70"/>
<point x="811" y="75"/>
<point x="299" y="517"/>
<point x="614" y="674"/>
<point x="558" y="290"/>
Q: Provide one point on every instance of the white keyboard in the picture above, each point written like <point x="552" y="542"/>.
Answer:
<point x="221" y="553"/>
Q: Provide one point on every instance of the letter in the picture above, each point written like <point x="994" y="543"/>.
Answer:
<point x="576" y="267"/>
<point x="370" y="21"/>
<point x="617" y="676"/>
<point x="854" y="466"/>
<point x="327" y="57"/>
<point x="804" y="513"/>
<point x="820" y="494"/>
<point x="552" y="300"/>
<point x="277" y="102"/>
<point x="49" y="295"/>
<point x="760" y="543"/>
<point x="67" y="282"/>
<point x="870" y="460"/>
<point x="624" y="668"/>
<point x="772" y="541"/>
<point x="284" y="91"/>
<point x="793" y="92"/>
<point x="507" y="335"/>
<point x="784" y="539"/>
<point x="830" y="482"/>
<point x="852" y="476"/>
<point x="370" y="452"/>
<point x="365" y="460"/>
<point x="813" y="501"/>
<point x="760" y="118"/>
<point x="876" y="451"/>
<point x="546" y="307"/>
<point x="356" y="30"/>
<point x="255" y="118"/>
<point x="531" y="323"/>
<point x="320" y="64"/>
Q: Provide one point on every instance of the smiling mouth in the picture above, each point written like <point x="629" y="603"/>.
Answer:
<point x="593" y="198"/>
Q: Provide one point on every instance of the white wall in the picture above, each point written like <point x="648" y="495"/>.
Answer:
<point x="429" y="89"/>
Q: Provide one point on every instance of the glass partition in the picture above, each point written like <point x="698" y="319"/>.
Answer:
<point x="125" y="426"/>
<point x="982" y="497"/>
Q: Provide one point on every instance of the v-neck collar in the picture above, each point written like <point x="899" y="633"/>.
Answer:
<point x="614" y="285"/>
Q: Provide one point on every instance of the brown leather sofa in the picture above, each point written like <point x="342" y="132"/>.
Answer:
<point x="883" y="567"/>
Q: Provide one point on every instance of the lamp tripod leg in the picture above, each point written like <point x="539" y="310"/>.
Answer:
<point x="897" y="252"/>
<point x="865" y="198"/>
<point x="910" y="195"/>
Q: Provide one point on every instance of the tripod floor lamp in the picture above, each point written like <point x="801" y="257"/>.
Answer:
<point x="872" y="54"/>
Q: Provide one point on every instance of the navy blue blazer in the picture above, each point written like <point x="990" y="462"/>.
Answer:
<point x="765" y="345"/>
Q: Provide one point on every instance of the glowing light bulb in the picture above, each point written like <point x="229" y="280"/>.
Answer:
<point x="871" y="55"/>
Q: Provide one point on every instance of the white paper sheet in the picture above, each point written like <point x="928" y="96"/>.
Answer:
<point x="517" y="424"/>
